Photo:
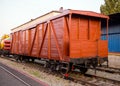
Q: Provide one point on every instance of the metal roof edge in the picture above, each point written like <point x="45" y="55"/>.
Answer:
<point x="89" y="13"/>
<point x="36" y="18"/>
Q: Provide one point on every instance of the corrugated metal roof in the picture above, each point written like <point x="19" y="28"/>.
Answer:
<point x="36" y="18"/>
<point x="114" y="17"/>
<point x="66" y="12"/>
<point x="81" y="12"/>
<point x="89" y="13"/>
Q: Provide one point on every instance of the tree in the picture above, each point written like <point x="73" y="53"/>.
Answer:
<point x="110" y="7"/>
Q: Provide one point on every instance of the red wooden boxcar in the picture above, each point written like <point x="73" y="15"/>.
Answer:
<point x="72" y="36"/>
<point x="6" y="46"/>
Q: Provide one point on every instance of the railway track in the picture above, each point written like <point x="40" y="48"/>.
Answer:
<point x="93" y="80"/>
<point x="87" y="79"/>
<point x="81" y="80"/>
<point x="109" y="69"/>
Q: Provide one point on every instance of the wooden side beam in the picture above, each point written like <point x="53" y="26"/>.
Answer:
<point x="67" y="25"/>
<point x="67" y="36"/>
<point x="33" y="41"/>
<point x="70" y="22"/>
<point x="15" y="43"/>
<point x="18" y="38"/>
<point x="56" y="41"/>
<point x="70" y="26"/>
<point x="43" y="39"/>
<point x="29" y="41"/>
<point x="49" y="41"/>
<point x="11" y="45"/>
<point x="88" y="29"/>
<point x="24" y="41"/>
<point x="21" y="41"/>
<point x="37" y="37"/>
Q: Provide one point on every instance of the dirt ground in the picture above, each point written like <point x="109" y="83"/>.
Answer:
<point x="114" y="60"/>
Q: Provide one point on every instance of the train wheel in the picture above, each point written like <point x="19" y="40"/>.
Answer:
<point x="33" y="59"/>
<point x="83" y="70"/>
<point x="47" y="65"/>
<point x="52" y="67"/>
<point x="18" y="58"/>
<point x="65" y="69"/>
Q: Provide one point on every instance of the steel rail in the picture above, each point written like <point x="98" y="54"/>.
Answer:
<point x="83" y="81"/>
<point x="109" y="69"/>
<point x="102" y="78"/>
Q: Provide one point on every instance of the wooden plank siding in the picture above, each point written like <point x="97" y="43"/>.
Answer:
<point x="61" y="38"/>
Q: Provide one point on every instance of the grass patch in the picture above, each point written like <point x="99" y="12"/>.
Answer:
<point x="37" y="74"/>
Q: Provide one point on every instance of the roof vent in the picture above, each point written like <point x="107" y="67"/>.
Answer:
<point x="61" y="9"/>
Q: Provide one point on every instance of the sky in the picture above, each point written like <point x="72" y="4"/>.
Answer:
<point x="16" y="12"/>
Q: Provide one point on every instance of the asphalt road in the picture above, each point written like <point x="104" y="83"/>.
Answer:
<point x="11" y="77"/>
<point x="8" y="80"/>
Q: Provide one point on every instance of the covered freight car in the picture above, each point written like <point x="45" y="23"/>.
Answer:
<point x="69" y="40"/>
